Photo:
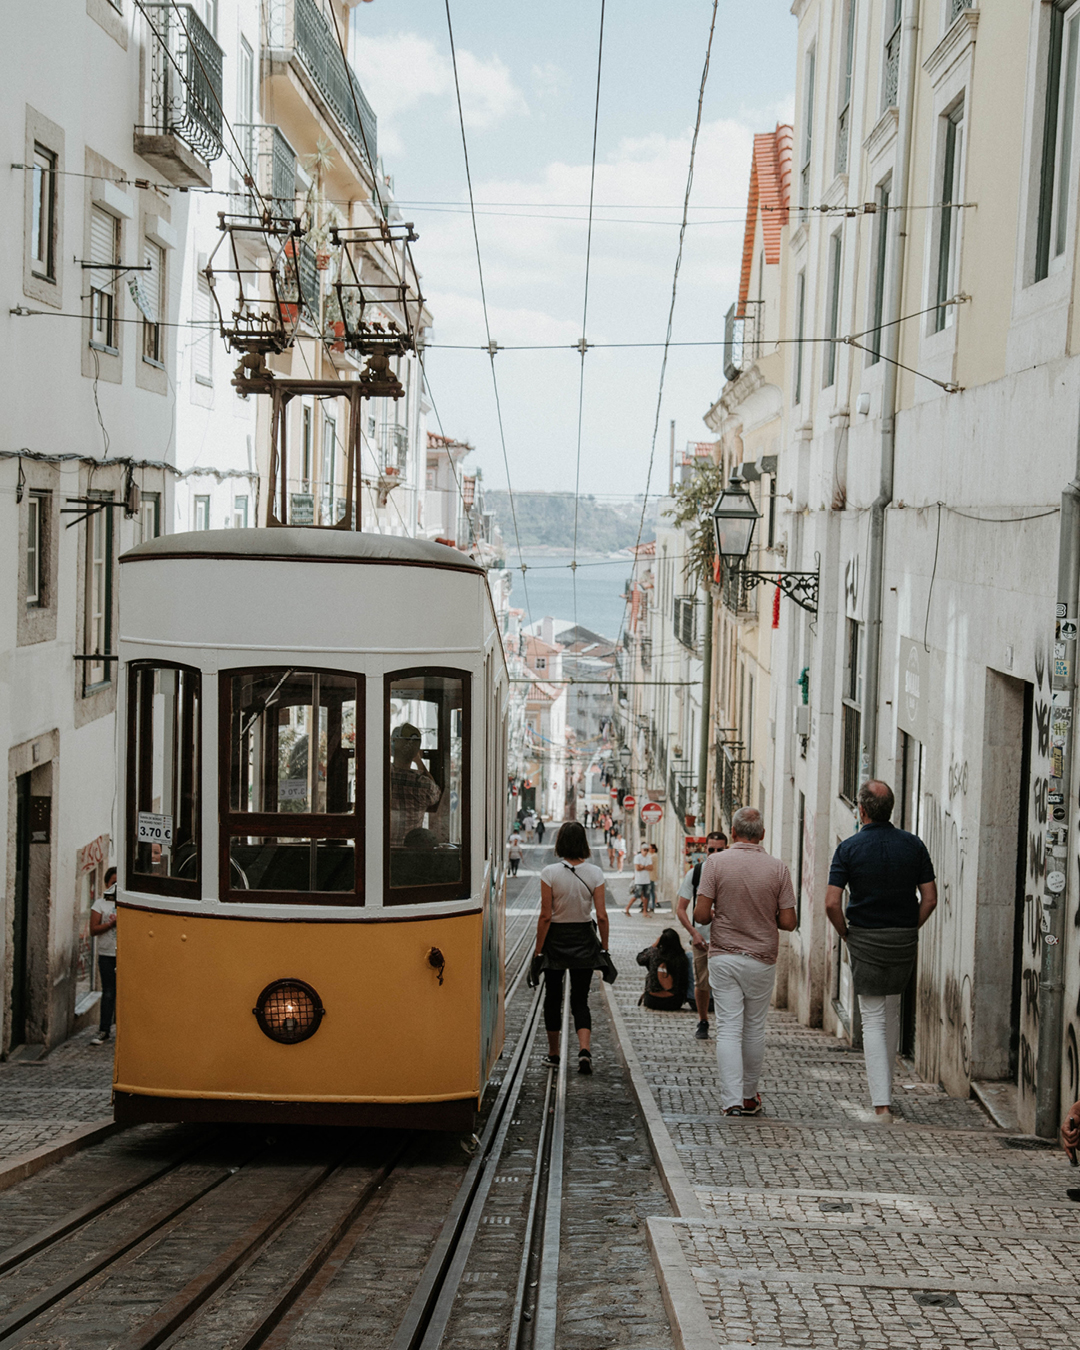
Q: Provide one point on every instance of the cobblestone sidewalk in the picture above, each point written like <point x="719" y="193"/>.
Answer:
<point x="817" y="1228"/>
<point x="42" y="1101"/>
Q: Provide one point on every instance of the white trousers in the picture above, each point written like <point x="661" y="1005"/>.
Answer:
<point x="881" y="1040"/>
<point x="742" y="990"/>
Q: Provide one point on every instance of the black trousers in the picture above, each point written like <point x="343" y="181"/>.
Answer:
<point x="107" y="970"/>
<point x="514" y="864"/>
<point x="579" y="998"/>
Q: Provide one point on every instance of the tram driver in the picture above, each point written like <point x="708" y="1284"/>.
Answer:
<point x="413" y="791"/>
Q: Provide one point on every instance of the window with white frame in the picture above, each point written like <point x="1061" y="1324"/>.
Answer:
<point x="808" y="129"/>
<point x="104" y="257"/>
<point x="149" y="519"/>
<point x="37" y="545"/>
<point x="832" y="317"/>
<point x="43" y="214"/>
<point x="952" y="149"/>
<point x="879" y="260"/>
<point x="1058" y="135"/>
<point x="99" y="585"/>
<point x="151" y="294"/>
<point x="847" y="63"/>
<point x="800" y="323"/>
<point x="203" y="346"/>
<point x="329" y="467"/>
<point x="202" y="513"/>
<point x="240" y="513"/>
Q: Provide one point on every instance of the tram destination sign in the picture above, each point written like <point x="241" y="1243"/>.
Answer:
<point x="153" y="828"/>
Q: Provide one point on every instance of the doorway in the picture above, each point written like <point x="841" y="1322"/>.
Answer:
<point x="20" y="927"/>
<point x="909" y="762"/>
<point x="997" y="976"/>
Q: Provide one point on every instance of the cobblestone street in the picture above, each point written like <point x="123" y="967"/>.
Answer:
<point x="816" y="1228"/>
<point x="44" y="1101"/>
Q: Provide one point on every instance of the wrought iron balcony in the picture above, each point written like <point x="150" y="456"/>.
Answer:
<point x="891" y="89"/>
<point x="956" y="7"/>
<point x="734" y="777"/>
<point x="272" y="161"/>
<point x="184" y="95"/>
<point x="741" y="339"/>
<point x="299" y="28"/>
<point x="394" y="445"/>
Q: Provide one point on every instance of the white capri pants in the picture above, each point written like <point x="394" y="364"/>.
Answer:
<point x="742" y="990"/>
<point x="881" y="1040"/>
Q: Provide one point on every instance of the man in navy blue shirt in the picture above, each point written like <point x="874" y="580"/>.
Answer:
<point x="891" y="893"/>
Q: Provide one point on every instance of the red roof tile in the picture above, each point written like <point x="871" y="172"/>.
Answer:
<point x="769" y="194"/>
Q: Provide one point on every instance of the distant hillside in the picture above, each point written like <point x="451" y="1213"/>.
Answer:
<point x="546" y="520"/>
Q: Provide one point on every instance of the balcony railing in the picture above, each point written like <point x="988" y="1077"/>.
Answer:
<point x="681" y="790"/>
<point x="843" y="137"/>
<point x="301" y="27"/>
<point x="741" y="339"/>
<point x="272" y="161"/>
<point x="734" y="775"/>
<point x="957" y="6"/>
<point x="394" y="446"/>
<point x="892" y="72"/>
<point x="184" y="79"/>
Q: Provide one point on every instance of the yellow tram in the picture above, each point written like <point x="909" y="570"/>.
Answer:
<point x="312" y="898"/>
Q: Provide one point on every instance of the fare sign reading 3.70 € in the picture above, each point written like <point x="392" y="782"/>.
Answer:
<point x="153" y="828"/>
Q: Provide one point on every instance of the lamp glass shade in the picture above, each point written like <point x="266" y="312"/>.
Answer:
<point x="734" y="517"/>
<point x="625" y="755"/>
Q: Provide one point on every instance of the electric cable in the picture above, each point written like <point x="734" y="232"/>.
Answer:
<point x="483" y="300"/>
<point x="671" y="308"/>
<point x="585" y="303"/>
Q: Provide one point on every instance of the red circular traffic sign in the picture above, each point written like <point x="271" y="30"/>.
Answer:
<point x="629" y="802"/>
<point x="651" y="813"/>
<point x="614" y="794"/>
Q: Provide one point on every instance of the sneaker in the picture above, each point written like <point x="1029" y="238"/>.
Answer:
<point x="702" y="1033"/>
<point x="100" y="1040"/>
<point x="552" y="1061"/>
<point x="754" y="1109"/>
<point x="584" y="1061"/>
<point x="734" y="1111"/>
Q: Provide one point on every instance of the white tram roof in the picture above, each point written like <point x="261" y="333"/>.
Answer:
<point x="303" y="544"/>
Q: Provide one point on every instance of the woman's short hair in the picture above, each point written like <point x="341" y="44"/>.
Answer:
<point x="571" y="841"/>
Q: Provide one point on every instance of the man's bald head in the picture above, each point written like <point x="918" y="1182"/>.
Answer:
<point x="876" y="801"/>
<point x="748" y="824"/>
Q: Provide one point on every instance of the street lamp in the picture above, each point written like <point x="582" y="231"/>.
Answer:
<point x="625" y="756"/>
<point x="734" y="517"/>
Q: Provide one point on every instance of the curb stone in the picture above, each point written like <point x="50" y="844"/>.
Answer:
<point x="25" y="1165"/>
<point x="689" y="1320"/>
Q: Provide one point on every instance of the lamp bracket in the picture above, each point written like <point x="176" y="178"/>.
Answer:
<point x="802" y="587"/>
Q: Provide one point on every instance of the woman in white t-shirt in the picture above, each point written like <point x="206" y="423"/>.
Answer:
<point x="513" y="852"/>
<point x="103" y="927"/>
<point x="566" y="938"/>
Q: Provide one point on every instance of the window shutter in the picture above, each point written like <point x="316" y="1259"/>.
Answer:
<point x="205" y="316"/>
<point x="102" y="244"/>
<point x="150" y="282"/>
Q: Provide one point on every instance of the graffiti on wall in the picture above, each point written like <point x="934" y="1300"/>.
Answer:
<point x="1034" y="875"/>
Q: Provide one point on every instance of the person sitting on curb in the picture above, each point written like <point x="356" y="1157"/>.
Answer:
<point x="666" y="972"/>
<point x="715" y="842"/>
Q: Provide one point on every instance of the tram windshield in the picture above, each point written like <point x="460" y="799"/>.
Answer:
<point x="163" y="778"/>
<point x="291" y="816"/>
<point x="426" y="798"/>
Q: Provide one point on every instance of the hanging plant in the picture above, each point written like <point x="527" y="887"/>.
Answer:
<point x="693" y="503"/>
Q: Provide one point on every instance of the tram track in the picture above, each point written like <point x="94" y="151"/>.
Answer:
<point x="72" y="1262"/>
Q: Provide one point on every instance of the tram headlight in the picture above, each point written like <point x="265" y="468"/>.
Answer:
<point x="289" y="1011"/>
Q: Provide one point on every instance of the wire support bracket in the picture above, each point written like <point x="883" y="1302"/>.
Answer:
<point x="802" y="587"/>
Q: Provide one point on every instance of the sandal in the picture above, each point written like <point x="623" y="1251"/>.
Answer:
<point x="584" y="1061"/>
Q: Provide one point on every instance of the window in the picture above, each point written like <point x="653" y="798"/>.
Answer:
<point x="37" y="545"/>
<point x="832" y="318"/>
<point x="329" y="468"/>
<point x="163" y="773"/>
<point x="1059" y="119"/>
<point x="306" y="438"/>
<point x="541" y="663"/>
<point x="843" y="119"/>
<point x="808" y="130"/>
<point x="43" y="214"/>
<point x="149" y="522"/>
<point x="208" y="12"/>
<point x="800" y="317"/>
<point x="890" y="87"/>
<point x="292" y="818"/>
<point x="947" y="218"/>
<point x="105" y="255"/>
<point x="851" y="718"/>
<point x="426" y="809"/>
<point x="99" y="582"/>
<point x="202" y="513"/>
<point x="881" y="253"/>
<point x="202" y="350"/>
<point x="240" y="513"/>
<point x="150" y="293"/>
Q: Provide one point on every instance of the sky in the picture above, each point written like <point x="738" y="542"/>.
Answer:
<point x="528" y="76"/>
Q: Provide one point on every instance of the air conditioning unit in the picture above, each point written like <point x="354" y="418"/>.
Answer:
<point x="802" y="719"/>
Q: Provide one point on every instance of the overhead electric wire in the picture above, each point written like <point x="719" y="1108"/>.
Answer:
<point x="585" y="302"/>
<point x="483" y="301"/>
<point x="671" y="308"/>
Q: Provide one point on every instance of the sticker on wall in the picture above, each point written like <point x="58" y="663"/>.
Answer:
<point x="1056" y="798"/>
<point x="1055" y="882"/>
<point x="1061" y="668"/>
<point x="1057" y="762"/>
<point x="1068" y="630"/>
<point x="1060" y="610"/>
<point x="1059" y="651"/>
<point x="1051" y="939"/>
<point x="1059" y="813"/>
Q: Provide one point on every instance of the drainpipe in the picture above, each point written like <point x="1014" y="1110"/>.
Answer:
<point x="1055" y="896"/>
<point x="890" y="341"/>
<point x="706" y="708"/>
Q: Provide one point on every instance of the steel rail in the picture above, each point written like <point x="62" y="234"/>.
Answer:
<point x="545" y="1317"/>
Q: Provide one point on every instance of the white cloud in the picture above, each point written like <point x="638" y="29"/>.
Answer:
<point x="400" y="70"/>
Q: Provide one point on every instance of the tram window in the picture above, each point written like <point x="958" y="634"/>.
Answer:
<point x="426" y="806"/>
<point x="264" y="863"/>
<point x="291" y="808"/>
<point x="163" y="779"/>
<point x="277" y="715"/>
